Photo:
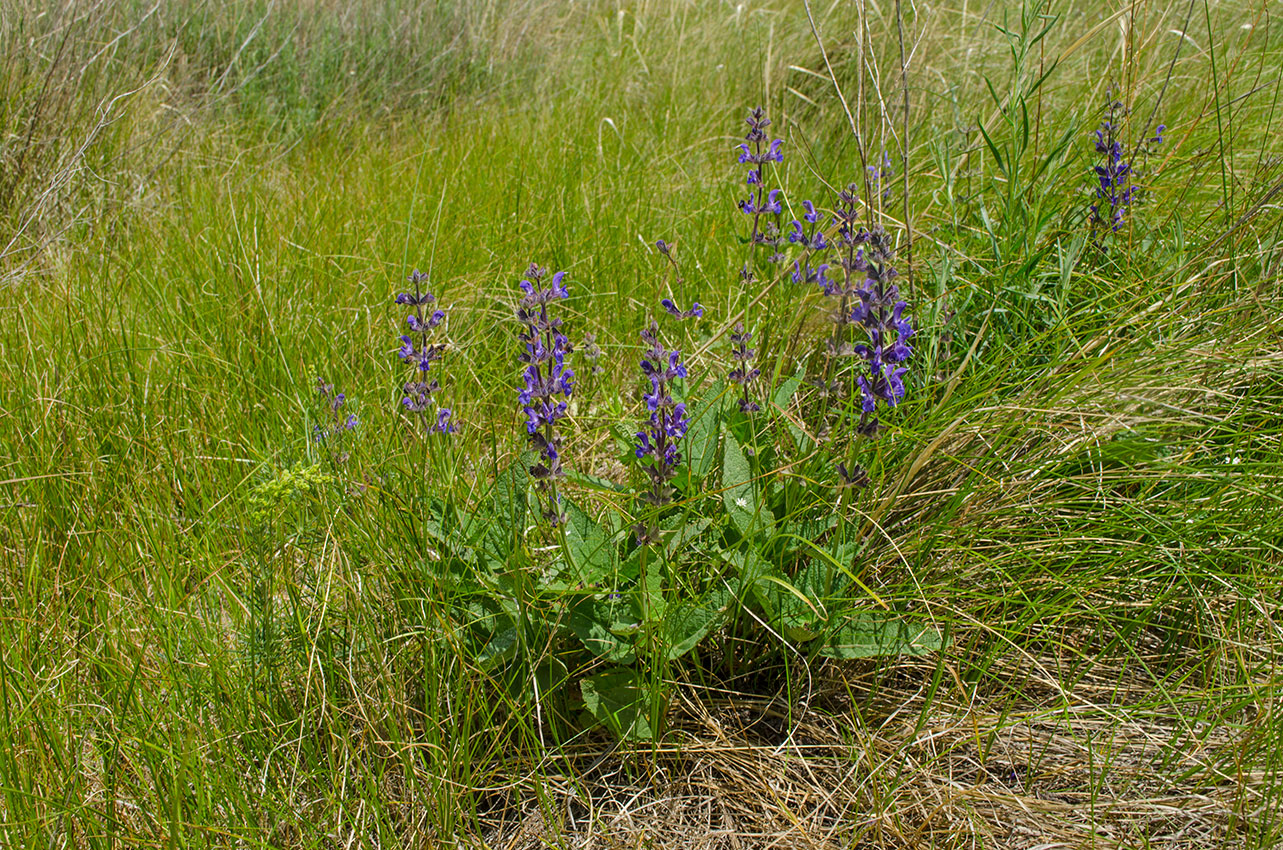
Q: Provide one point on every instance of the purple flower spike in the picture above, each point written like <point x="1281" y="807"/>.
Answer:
<point x="668" y="423"/>
<point x="331" y="432"/>
<point x="548" y="380"/>
<point x="760" y="201"/>
<point x="417" y="350"/>
<point x="1116" y="186"/>
<point x="881" y="313"/>
<point x="743" y="373"/>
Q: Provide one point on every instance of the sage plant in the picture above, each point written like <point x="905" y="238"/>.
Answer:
<point x="1114" y="191"/>
<point x="868" y="300"/>
<point x="757" y="154"/>
<point x="334" y="424"/>
<point x="744" y="373"/>
<point x="881" y="313"/>
<point x="658" y="442"/>
<point x="849" y="245"/>
<point x="419" y="351"/>
<point x="1116" y="187"/>
<point x="548" y="381"/>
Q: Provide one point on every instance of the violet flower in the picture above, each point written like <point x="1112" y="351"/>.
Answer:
<point x="760" y="201"/>
<point x="1116" y="187"/>
<point x="672" y="309"/>
<point x="416" y="350"/>
<point x="1114" y="191"/>
<point x="335" y="424"/>
<point x="881" y="313"/>
<point x="744" y="373"/>
<point x="657" y="443"/>
<point x="880" y="178"/>
<point x="809" y="237"/>
<point x="850" y="239"/>
<point x="548" y="381"/>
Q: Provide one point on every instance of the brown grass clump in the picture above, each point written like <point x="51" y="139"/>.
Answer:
<point x="880" y="761"/>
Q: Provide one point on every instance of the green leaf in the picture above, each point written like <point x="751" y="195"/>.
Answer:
<point x="783" y="396"/>
<point x="605" y="627"/>
<point x="650" y="596"/>
<point x="596" y="482"/>
<point x="500" y="644"/>
<point x="592" y="555"/>
<point x="993" y="149"/>
<point x="871" y="634"/>
<point x="738" y="494"/>
<point x="687" y="623"/>
<point x="615" y="700"/>
<point x="835" y="564"/>
<point x="787" y="608"/>
<point x="505" y="523"/>
<point x="785" y="393"/>
<point x="684" y="536"/>
<point x="700" y="444"/>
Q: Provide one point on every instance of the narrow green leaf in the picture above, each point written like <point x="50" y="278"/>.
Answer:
<point x="993" y="149"/>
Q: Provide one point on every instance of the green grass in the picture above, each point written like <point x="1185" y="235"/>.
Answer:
<point x="1081" y="488"/>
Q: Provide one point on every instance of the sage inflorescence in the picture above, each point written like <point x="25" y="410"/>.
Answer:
<point x="1116" y="187"/>
<point x="548" y="381"/>
<point x="757" y="154"/>
<point x="334" y="424"/>
<point x="881" y="313"/>
<point x="419" y="351"/>
<point x="744" y="373"/>
<point x="658" y="442"/>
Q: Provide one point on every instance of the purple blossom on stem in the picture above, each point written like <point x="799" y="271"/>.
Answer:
<point x="548" y="381"/>
<point x="744" y="372"/>
<point x="1113" y="190"/>
<point x="850" y="241"/>
<point x="804" y="273"/>
<point x="416" y="350"/>
<point x="695" y="311"/>
<point x="880" y="178"/>
<point x="881" y="313"/>
<point x="1116" y="187"/>
<point x="657" y="443"/>
<point x="334" y="424"/>
<point x="755" y="206"/>
<point x="809" y="235"/>
<point x="760" y="201"/>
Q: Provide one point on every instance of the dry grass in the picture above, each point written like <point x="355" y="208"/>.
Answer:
<point x="1095" y="764"/>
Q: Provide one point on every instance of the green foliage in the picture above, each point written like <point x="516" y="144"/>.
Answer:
<point x="1071" y="526"/>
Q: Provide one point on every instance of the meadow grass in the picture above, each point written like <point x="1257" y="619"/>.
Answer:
<point x="214" y="636"/>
